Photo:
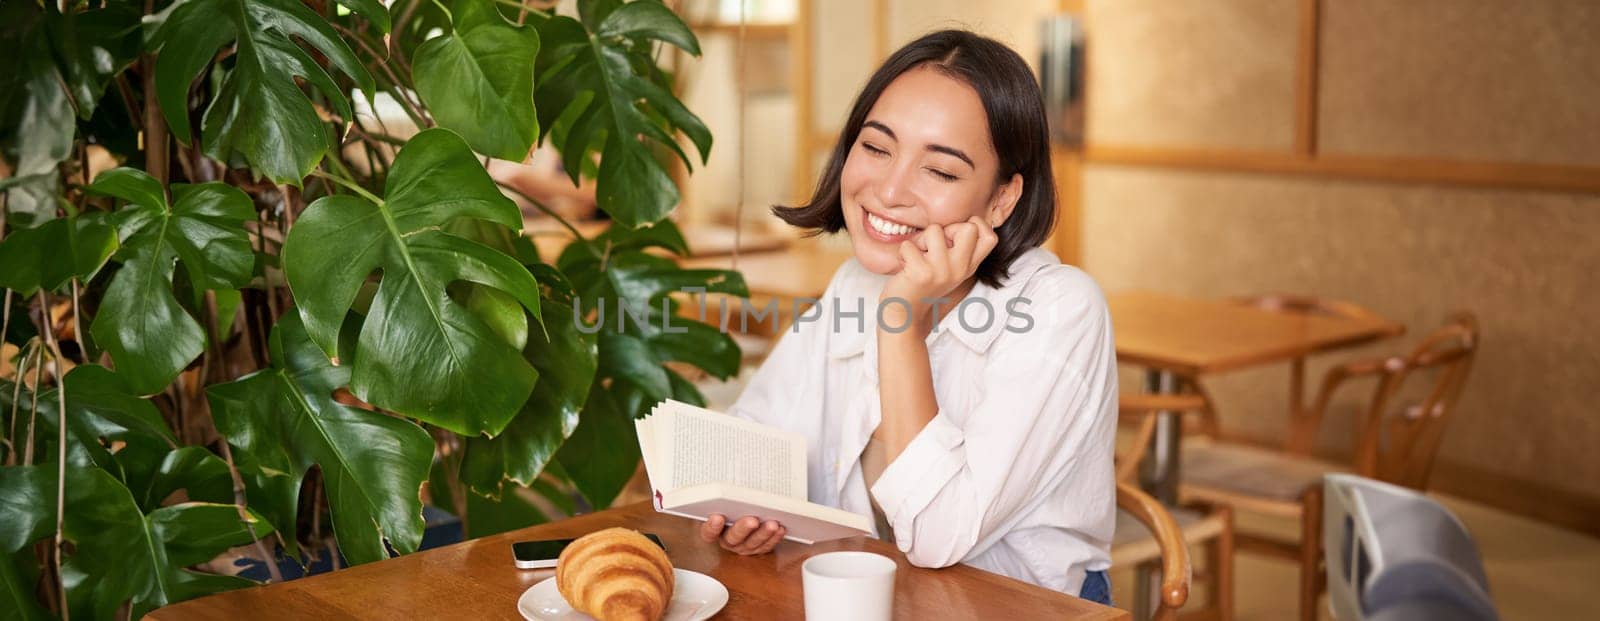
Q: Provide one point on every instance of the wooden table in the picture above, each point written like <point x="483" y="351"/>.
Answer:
<point x="1194" y="336"/>
<point x="1175" y="336"/>
<point x="476" y="580"/>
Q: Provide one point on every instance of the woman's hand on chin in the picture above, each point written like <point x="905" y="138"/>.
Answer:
<point x="746" y="536"/>
<point x="936" y="263"/>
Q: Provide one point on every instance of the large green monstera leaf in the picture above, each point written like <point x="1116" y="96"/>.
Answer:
<point x="420" y="352"/>
<point x="589" y="86"/>
<point x="566" y="359"/>
<point x="478" y="80"/>
<point x="284" y="419"/>
<point x="123" y="553"/>
<point x="259" y="115"/>
<point x="149" y="335"/>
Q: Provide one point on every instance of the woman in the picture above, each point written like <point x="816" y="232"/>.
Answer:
<point x="959" y="383"/>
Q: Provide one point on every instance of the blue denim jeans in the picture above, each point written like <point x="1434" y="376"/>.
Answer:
<point x="1096" y="588"/>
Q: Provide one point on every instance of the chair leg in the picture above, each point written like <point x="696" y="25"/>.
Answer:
<point x="1220" y="564"/>
<point x="1311" y="578"/>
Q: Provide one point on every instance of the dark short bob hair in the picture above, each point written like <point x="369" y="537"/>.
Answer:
<point x="1017" y="129"/>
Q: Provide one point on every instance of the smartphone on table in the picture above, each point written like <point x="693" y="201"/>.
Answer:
<point x="542" y="554"/>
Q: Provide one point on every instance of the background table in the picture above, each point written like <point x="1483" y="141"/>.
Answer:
<point x="476" y="580"/>
<point x="1175" y="336"/>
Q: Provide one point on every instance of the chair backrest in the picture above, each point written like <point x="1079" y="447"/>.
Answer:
<point x="1302" y="428"/>
<point x="1176" y="573"/>
<point x="1393" y="553"/>
<point x="1397" y="441"/>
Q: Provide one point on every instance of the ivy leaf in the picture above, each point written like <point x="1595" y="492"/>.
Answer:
<point x="591" y="85"/>
<point x="420" y="352"/>
<point x="259" y="114"/>
<point x="134" y="556"/>
<point x="566" y="360"/>
<point x="200" y="474"/>
<point x="49" y="255"/>
<point x="478" y="80"/>
<point x="102" y="412"/>
<point x="373" y="10"/>
<point x="141" y="323"/>
<point x="283" y="420"/>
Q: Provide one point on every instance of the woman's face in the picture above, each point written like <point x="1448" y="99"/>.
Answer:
<point x="923" y="157"/>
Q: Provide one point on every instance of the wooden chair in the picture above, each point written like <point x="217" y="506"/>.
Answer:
<point x="1302" y="432"/>
<point x="1168" y="539"/>
<point x="1140" y="539"/>
<point x="1393" y="444"/>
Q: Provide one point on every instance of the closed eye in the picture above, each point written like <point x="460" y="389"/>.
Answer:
<point x="942" y="174"/>
<point x="873" y="149"/>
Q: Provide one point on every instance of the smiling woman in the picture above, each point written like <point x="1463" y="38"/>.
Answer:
<point x="961" y="116"/>
<point x="969" y="440"/>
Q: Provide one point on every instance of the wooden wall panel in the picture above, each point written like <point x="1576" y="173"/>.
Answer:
<point x="843" y="59"/>
<point x="1015" y="22"/>
<point x="1217" y="74"/>
<point x="1491" y="80"/>
<point x="1523" y="261"/>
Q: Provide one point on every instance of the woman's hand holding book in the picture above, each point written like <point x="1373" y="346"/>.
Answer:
<point x="746" y="536"/>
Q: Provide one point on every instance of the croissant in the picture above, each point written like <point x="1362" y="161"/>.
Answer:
<point x="615" y="574"/>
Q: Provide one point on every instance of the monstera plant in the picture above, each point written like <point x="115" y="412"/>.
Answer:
<point x="239" y="315"/>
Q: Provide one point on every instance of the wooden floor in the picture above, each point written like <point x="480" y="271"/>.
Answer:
<point x="1536" y="570"/>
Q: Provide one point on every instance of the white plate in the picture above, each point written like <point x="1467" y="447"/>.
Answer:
<point x="695" y="596"/>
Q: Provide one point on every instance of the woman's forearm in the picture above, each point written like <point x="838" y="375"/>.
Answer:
<point x="905" y="381"/>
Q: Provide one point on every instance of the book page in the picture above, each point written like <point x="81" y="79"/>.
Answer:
<point x="700" y="446"/>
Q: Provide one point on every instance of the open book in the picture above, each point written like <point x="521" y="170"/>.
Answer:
<point x="701" y="462"/>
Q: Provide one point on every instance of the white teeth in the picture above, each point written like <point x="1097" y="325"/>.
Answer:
<point x="886" y="227"/>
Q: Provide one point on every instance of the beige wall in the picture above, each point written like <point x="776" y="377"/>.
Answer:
<point x="1446" y="79"/>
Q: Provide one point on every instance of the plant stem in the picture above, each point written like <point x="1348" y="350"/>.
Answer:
<point x="16" y="398"/>
<point x="155" y="125"/>
<point x="400" y="86"/>
<point x="348" y="185"/>
<point x="77" y="322"/>
<point x="33" y="410"/>
<point x="525" y="9"/>
<point x="239" y="501"/>
<point x="61" y="446"/>
<point x="550" y="212"/>
<point x="291" y="204"/>
<point x="5" y="316"/>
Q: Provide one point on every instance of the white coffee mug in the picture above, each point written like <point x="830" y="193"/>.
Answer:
<point x="848" y="586"/>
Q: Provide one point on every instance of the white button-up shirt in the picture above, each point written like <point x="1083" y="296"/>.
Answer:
<point x="1014" y="474"/>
